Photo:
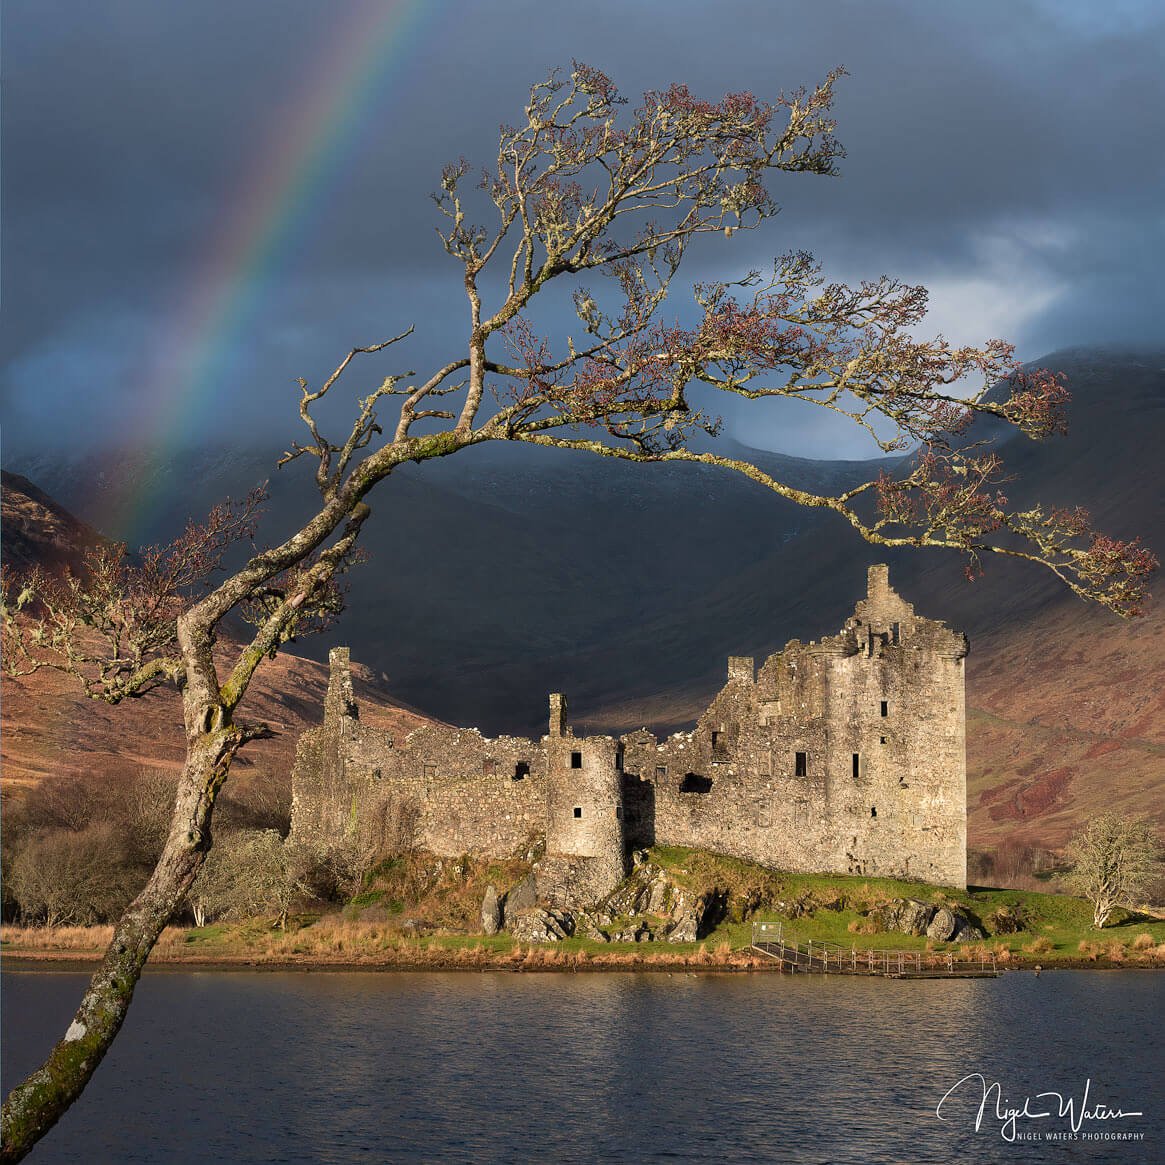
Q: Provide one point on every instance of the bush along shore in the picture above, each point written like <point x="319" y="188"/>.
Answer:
<point x="679" y="909"/>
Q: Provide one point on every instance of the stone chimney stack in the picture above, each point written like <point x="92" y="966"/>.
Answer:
<point x="557" y="714"/>
<point x="878" y="582"/>
<point x="340" y="700"/>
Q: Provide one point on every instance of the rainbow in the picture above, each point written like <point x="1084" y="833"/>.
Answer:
<point x="277" y="206"/>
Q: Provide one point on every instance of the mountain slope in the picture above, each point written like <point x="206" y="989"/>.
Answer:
<point x="500" y="575"/>
<point x="503" y="573"/>
<point x="51" y="729"/>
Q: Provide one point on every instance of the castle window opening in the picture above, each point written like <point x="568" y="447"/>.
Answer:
<point x="885" y="707"/>
<point x="661" y="770"/>
<point x="430" y="771"/>
<point x="883" y="739"/>
<point x="521" y="771"/>
<point x="618" y="812"/>
<point x="719" y="743"/>
<point x="873" y="811"/>
<point x="489" y="766"/>
<point x="619" y="759"/>
<point x="894" y="630"/>
<point x="576" y="763"/>
<point x="694" y="783"/>
<point x="857" y="765"/>
<point x="801" y="764"/>
<point x="578" y="811"/>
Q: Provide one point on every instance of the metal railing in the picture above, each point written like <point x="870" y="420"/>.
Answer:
<point x="772" y="939"/>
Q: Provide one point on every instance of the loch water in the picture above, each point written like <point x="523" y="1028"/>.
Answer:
<point x="242" y="1067"/>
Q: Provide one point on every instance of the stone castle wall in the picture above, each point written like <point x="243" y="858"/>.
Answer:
<point x="846" y="755"/>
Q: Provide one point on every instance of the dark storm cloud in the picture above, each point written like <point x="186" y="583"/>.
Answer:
<point x="1007" y="154"/>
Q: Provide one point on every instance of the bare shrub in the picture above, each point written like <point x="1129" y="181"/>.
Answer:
<point x="1143" y="942"/>
<point x="259" y="801"/>
<point x="980" y="867"/>
<point x="64" y="878"/>
<point x="55" y="803"/>
<point x="334" y="871"/>
<point x="248" y="873"/>
<point x="393" y="823"/>
<point x="1040" y="946"/>
<point x="147" y="805"/>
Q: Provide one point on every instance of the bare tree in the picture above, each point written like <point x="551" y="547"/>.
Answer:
<point x="64" y="878"/>
<point x="1114" y="860"/>
<point x="583" y="188"/>
<point x="249" y="872"/>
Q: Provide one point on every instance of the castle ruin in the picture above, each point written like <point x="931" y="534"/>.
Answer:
<point x="846" y="755"/>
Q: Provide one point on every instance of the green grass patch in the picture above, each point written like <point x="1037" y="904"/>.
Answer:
<point x="824" y="907"/>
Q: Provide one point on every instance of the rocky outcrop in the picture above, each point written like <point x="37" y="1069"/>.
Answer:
<point x="650" y="905"/>
<point x="943" y="925"/>
<point x="907" y="915"/>
<point x="540" y="925"/>
<point x="491" y="911"/>
<point x="939" y="923"/>
<point x="647" y="906"/>
<point x="521" y="899"/>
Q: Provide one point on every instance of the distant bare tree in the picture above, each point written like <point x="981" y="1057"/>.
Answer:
<point x="581" y="189"/>
<point x="61" y="802"/>
<point x="333" y="870"/>
<point x="249" y="872"/>
<point x="1114" y="860"/>
<point x="72" y="879"/>
<point x="146" y="809"/>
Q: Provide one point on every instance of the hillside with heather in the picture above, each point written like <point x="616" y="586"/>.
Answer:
<point x="51" y="729"/>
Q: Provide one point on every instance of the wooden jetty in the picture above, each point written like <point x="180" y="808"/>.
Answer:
<point x="825" y="958"/>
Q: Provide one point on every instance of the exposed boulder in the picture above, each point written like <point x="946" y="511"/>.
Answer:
<point x="540" y="925"/>
<point x="967" y="932"/>
<point x="522" y="898"/>
<point x="646" y="906"/>
<point x="905" y="914"/>
<point x="687" y="915"/>
<point x="633" y="932"/>
<point x="491" y="911"/>
<point x="1008" y="919"/>
<point x="943" y="926"/>
<point x="590" y="927"/>
<point x="650" y="905"/>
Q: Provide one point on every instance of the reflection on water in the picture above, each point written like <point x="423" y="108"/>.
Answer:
<point x="245" y="1067"/>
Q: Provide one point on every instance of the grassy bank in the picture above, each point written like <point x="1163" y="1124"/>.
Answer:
<point x="416" y="915"/>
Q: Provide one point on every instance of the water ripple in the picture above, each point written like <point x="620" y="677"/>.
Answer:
<point x="340" y="1068"/>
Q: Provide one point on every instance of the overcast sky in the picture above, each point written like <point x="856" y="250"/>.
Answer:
<point x="202" y="201"/>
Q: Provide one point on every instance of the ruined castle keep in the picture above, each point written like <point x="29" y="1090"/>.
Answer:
<point x="846" y="755"/>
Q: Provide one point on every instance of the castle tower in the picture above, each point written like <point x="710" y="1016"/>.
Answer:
<point x="896" y="724"/>
<point x="584" y="810"/>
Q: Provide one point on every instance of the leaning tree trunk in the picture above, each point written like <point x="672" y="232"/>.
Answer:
<point x="34" y="1106"/>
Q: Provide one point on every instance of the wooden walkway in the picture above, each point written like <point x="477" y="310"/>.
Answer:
<point x="772" y="940"/>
